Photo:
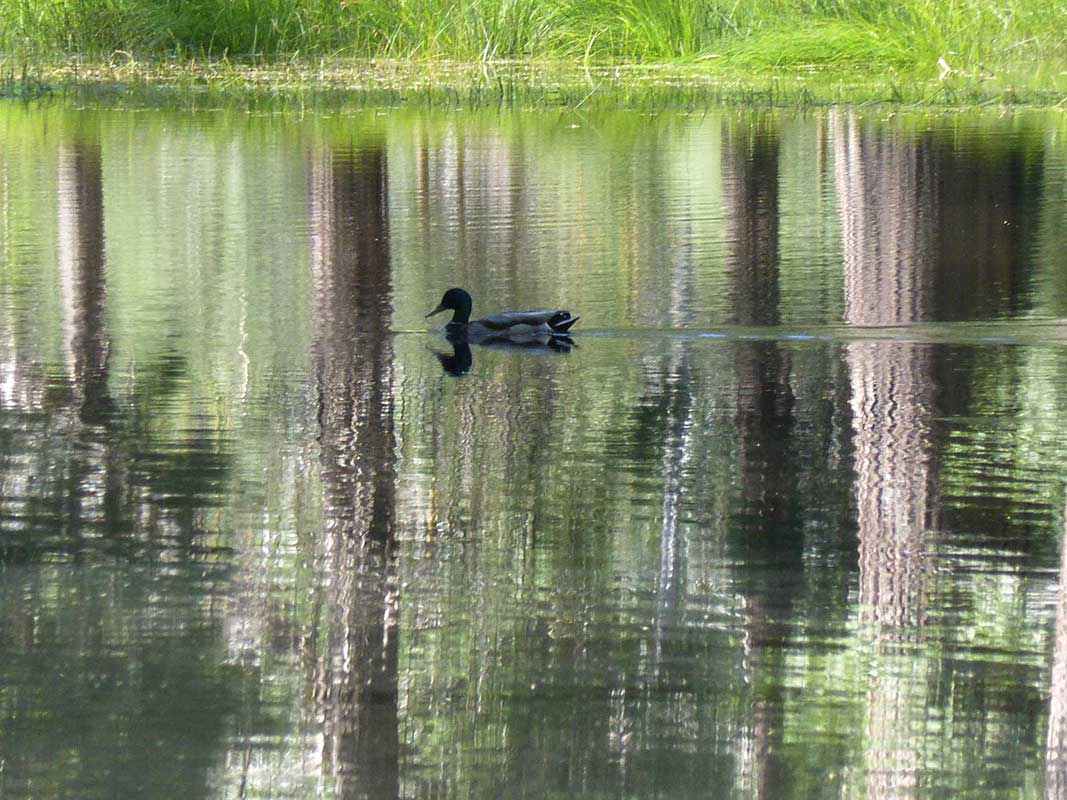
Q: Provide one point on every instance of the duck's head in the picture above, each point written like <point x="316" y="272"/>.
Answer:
<point x="459" y="301"/>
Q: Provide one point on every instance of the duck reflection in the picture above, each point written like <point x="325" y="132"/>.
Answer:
<point x="461" y="359"/>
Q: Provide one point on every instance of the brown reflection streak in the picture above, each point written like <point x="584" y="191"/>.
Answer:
<point x="94" y="479"/>
<point x="355" y="681"/>
<point x="881" y="185"/>
<point x="82" y="271"/>
<point x="764" y="420"/>
<point x="750" y="173"/>
<point x="888" y="220"/>
<point x="1056" y="741"/>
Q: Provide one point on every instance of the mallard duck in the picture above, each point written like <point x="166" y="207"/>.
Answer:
<point x="505" y="325"/>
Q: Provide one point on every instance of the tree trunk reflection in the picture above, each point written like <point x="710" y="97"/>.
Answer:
<point x="93" y="480"/>
<point x="82" y="271"/>
<point x="356" y="671"/>
<point x="883" y="188"/>
<point x="764" y="537"/>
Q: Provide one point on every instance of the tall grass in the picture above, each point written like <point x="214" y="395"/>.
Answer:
<point x="909" y="34"/>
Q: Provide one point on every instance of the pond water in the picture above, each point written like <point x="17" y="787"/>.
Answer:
<point x="784" y="522"/>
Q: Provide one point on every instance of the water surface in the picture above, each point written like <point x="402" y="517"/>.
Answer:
<point x="786" y="521"/>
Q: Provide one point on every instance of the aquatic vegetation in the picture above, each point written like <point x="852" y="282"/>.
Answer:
<point x="337" y="84"/>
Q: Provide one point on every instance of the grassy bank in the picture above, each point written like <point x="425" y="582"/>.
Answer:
<point x="966" y="35"/>
<point x="822" y="50"/>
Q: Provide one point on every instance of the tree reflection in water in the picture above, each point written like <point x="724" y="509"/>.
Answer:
<point x="85" y="481"/>
<point x="672" y="563"/>
<point x="355" y="681"/>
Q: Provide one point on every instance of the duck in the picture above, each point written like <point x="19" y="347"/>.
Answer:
<point x="505" y="325"/>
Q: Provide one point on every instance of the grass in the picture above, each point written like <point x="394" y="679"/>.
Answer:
<point x="908" y="32"/>
<point x="997" y="48"/>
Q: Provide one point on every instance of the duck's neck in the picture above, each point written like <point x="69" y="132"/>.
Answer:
<point x="462" y="314"/>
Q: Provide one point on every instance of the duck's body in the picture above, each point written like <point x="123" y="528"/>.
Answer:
<point x="511" y="325"/>
<point x="505" y="325"/>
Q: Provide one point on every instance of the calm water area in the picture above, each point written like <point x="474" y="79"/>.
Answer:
<point x="786" y="520"/>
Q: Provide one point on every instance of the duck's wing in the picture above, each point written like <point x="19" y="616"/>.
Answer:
<point x="549" y="320"/>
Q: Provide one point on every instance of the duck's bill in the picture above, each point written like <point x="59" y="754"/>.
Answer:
<point x="437" y="310"/>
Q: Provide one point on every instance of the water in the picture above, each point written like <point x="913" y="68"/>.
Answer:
<point x="785" y="522"/>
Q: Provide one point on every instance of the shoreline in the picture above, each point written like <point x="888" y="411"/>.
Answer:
<point x="526" y="84"/>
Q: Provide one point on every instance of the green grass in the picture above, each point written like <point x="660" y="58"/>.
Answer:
<point x="820" y="43"/>
<point x="1018" y="44"/>
<point x="969" y="33"/>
